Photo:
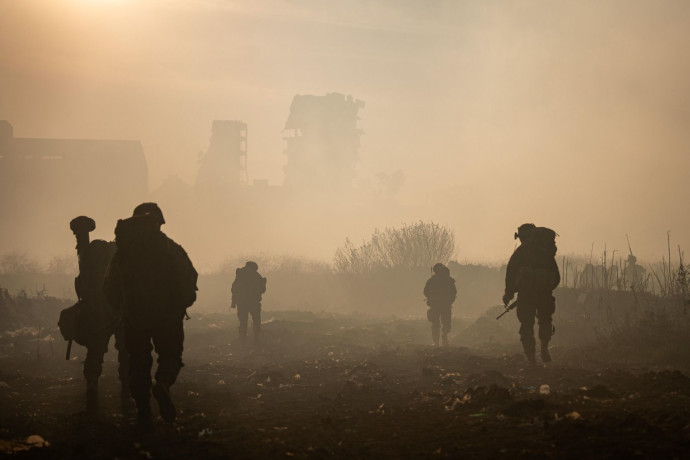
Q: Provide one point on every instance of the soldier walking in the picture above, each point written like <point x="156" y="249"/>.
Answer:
<point x="98" y="320"/>
<point x="247" y="290"/>
<point x="533" y="273"/>
<point x="153" y="281"/>
<point x="440" y="293"/>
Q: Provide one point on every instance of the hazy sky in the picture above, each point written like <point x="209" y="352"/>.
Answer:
<point x="571" y="114"/>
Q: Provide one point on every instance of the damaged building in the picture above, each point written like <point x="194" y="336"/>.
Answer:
<point x="224" y="165"/>
<point x="323" y="142"/>
<point x="44" y="181"/>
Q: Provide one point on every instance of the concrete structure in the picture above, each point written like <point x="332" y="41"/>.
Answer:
<point x="46" y="182"/>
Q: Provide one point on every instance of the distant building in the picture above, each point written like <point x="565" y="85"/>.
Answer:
<point x="225" y="163"/>
<point x="46" y="182"/>
<point x="322" y="152"/>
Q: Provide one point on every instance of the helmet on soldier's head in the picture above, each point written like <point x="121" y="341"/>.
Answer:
<point x="150" y="209"/>
<point x="524" y="231"/>
<point x="251" y="266"/>
<point x="440" y="268"/>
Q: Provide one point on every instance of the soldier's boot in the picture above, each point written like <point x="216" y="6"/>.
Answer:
<point x="444" y="339"/>
<point x="528" y="346"/>
<point x="257" y="337"/>
<point x="161" y="391"/>
<point x="435" y="333"/>
<point x="545" y="355"/>
<point x="144" y="418"/>
<point x="243" y="335"/>
<point x="92" y="399"/>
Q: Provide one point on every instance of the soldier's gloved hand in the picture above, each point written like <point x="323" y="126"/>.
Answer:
<point x="507" y="298"/>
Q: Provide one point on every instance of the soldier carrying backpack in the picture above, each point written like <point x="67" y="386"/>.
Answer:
<point x="247" y="290"/>
<point x="533" y="273"/>
<point x="440" y="293"/>
<point x="92" y="320"/>
<point x="153" y="282"/>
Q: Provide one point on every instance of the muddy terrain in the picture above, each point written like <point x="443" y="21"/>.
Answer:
<point x="323" y="385"/>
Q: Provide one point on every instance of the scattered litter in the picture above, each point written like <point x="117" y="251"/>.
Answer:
<point x="36" y="441"/>
<point x="455" y="404"/>
<point x="280" y="428"/>
<point x="221" y="382"/>
<point x="18" y="445"/>
<point x="205" y="433"/>
<point x="4" y="385"/>
<point x="23" y="332"/>
<point x="297" y="376"/>
<point x="573" y="415"/>
<point x="545" y="389"/>
<point x="192" y="393"/>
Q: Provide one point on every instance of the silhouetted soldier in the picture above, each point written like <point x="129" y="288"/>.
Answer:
<point x="440" y="292"/>
<point x="246" y="290"/>
<point x="533" y="273"/>
<point x="98" y="320"/>
<point x="634" y="274"/>
<point x="152" y="279"/>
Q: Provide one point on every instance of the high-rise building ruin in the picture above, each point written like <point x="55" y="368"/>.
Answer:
<point x="225" y="163"/>
<point x="322" y="152"/>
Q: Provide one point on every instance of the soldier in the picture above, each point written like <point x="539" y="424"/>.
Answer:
<point x="98" y="320"/>
<point x="533" y="273"/>
<point x="246" y="290"/>
<point x="634" y="274"/>
<point x="153" y="281"/>
<point x="440" y="293"/>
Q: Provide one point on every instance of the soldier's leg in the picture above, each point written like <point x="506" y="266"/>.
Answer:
<point x="445" y="321"/>
<point x="434" y="316"/>
<point x="243" y="317"/>
<point x="256" y="322"/>
<point x="93" y="368"/>
<point x="138" y="345"/>
<point x="122" y="361"/>
<point x="545" y="311"/>
<point x="168" y="340"/>
<point x="525" y="314"/>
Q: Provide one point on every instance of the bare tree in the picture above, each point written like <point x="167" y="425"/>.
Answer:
<point x="420" y="244"/>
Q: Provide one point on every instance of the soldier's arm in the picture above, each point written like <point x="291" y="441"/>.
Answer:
<point x="234" y="289"/>
<point x="556" y="272"/>
<point x="427" y="288"/>
<point x="511" y="274"/>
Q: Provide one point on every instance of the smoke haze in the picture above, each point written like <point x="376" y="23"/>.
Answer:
<point x="569" y="114"/>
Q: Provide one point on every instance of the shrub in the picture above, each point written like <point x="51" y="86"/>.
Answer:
<point x="412" y="246"/>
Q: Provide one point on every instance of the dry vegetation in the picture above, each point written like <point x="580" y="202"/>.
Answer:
<point x="339" y="376"/>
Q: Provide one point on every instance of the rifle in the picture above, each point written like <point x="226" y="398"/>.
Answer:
<point x="508" y="308"/>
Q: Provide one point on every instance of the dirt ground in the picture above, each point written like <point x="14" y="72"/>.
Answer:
<point x="341" y="386"/>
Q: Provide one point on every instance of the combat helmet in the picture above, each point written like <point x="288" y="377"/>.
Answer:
<point x="524" y="231"/>
<point x="252" y="266"/>
<point x="150" y="209"/>
<point x="439" y="269"/>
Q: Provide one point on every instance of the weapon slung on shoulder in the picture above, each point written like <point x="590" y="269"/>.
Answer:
<point x="81" y="227"/>
<point x="508" y="308"/>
